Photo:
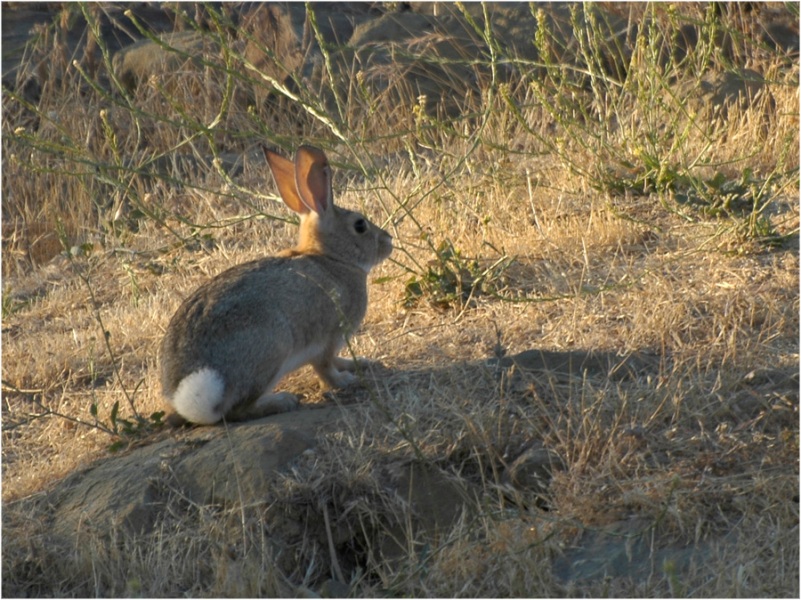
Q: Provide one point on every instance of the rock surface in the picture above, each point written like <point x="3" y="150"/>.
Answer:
<point x="213" y="465"/>
<point x="232" y="466"/>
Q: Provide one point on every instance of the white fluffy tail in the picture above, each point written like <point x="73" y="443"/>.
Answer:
<point x="199" y="397"/>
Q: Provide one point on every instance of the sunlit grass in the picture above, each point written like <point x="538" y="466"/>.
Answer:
<point x="593" y="193"/>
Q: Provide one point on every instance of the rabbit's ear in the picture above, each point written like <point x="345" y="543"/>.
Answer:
<point x="284" y="174"/>
<point x="313" y="179"/>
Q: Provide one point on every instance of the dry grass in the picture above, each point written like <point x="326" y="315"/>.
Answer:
<point x="596" y="219"/>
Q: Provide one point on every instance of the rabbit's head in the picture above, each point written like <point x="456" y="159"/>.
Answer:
<point x="326" y="229"/>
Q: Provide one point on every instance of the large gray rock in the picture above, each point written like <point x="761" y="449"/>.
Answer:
<point x="212" y="465"/>
<point x="233" y="466"/>
<point x="273" y="469"/>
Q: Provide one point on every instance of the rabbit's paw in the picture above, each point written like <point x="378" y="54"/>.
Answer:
<point x="271" y="404"/>
<point x="265" y="405"/>
<point x="333" y="377"/>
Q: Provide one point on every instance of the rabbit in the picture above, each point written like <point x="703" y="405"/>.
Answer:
<point x="233" y="339"/>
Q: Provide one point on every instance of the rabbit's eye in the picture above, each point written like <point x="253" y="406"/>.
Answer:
<point x="360" y="226"/>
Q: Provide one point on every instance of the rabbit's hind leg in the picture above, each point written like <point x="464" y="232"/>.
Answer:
<point x="264" y="406"/>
